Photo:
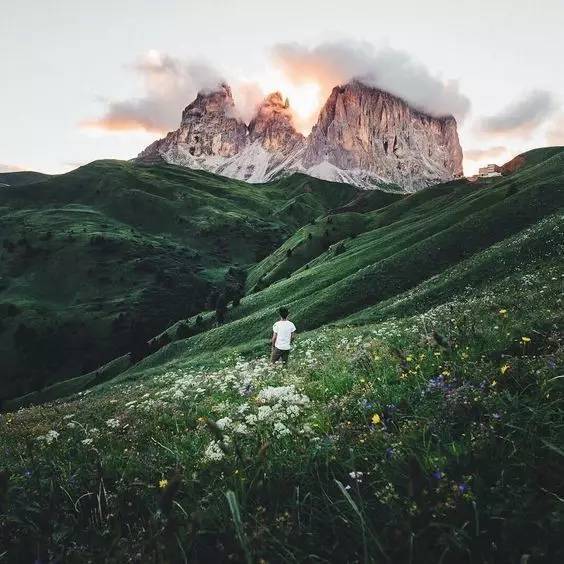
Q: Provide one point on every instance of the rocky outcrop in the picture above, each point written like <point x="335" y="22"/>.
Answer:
<point x="378" y="137"/>
<point x="273" y="125"/>
<point x="209" y="129"/>
<point x="364" y="136"/>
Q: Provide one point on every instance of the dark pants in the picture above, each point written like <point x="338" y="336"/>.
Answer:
<point x="277" y="354"/>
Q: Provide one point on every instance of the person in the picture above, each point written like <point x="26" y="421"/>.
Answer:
<point x="283" y="332"/>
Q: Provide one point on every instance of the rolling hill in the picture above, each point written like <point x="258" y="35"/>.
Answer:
<point x="95" y="262"/>
<point x="355" y="265"/>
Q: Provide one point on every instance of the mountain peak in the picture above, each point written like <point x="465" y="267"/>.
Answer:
<point x="273" y="124"/>
<point x="211" y="100"/>
<point x="364" y="136"/>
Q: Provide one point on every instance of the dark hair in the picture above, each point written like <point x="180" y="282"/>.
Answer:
<point x="283" y="311"/>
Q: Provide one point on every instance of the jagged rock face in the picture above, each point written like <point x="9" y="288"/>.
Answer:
<point x="370" y="131"/>
<point x="273" y="125"/>
<point x="209" y="128"/>
<point x="363" y="136"/>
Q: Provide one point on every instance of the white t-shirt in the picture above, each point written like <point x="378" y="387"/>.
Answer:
<point x="283" y="330"/>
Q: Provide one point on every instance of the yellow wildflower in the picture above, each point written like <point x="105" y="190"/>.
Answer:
<point x="409" y="358"/>
<point x="505" y="368"/>
<point x="163" y="483"/>
<point x="376" y="419"/>
<point x="503" y="312"/>
<point x="526" y="339"/>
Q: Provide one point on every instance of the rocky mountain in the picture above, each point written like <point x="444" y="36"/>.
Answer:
<point x="363" y="136"/>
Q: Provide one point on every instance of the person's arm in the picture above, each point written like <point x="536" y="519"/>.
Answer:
<point x="273" y="340"/>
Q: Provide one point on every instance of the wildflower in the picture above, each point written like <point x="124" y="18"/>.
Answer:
<point x="213" y="452"/>
<point x="505" y="368"/>
<point x="251" y="419"/>
<point x="112" y="423"/>
<point x="376" y="419"/>
<point x="409" y="358"/>
<point x="357" y="476"/>
<point x="281" y="430"/>
<point x="526" y="339"/>
<point x="49" y="437"/>
<point x="462" y="488"/>
<point x="87" y="441"/>
<point x="438" y="475"/>
<point x="241" y="429"/>
<point x="163" y="483"/>
<point x="503" y="312"/>
<point x="224" y="423"/>
<point x="365" y="404"/>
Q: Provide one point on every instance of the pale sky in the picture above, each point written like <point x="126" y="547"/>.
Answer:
<point x="69" y="69"/>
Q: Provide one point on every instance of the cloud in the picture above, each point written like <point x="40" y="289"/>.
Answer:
<point x="169" y="84"/>
<point x="247" y="97"/>
<point x="555" y="133"/>
<point x="485" y="154"/>
<point x="523" y="117"/>
<point x="392" y="70"/>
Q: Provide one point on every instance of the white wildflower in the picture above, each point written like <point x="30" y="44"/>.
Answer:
<point x="241" y="429"/>
<point x="49" y="437"/>
<point x="280" y="429"/>
<point x="213" y="452"/>
<point x="251" y="419"/>
<point x="356" y="476"/>
<point x="264" y="412"/>
<point x="224" y="423"/>
<point x="113" y="423"/>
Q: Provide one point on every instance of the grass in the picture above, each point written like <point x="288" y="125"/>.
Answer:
<point x="432" y="437"/>
<point x="420" y="418"/>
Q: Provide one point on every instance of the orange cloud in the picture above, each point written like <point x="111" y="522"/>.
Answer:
<point x="168" y="83"/>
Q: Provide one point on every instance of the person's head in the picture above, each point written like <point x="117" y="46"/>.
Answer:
<point x="283" y="311"/>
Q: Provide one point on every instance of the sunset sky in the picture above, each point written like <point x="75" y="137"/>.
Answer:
<point x="87" y="80"/>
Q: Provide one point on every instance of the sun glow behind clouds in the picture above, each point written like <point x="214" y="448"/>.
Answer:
<point x="305" y="98"/>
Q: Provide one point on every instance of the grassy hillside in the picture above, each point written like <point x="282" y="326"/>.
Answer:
<point x="12" y="179"/>
<point x="427" y="425"/>
<point x="386" y="254"/>
<point x="349" y="264"/>
<point x="95" y="262"/>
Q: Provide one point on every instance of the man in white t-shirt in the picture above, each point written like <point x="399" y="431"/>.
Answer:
<point x="283" y="332"/>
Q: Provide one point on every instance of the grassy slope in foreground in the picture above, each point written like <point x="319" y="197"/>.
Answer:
<point x="431" y="437"/>
<point x="95" y="262"/>
<point x="404" y="244"/>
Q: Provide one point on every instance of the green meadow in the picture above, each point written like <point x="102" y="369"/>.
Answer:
<point x="420" y="418"/>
